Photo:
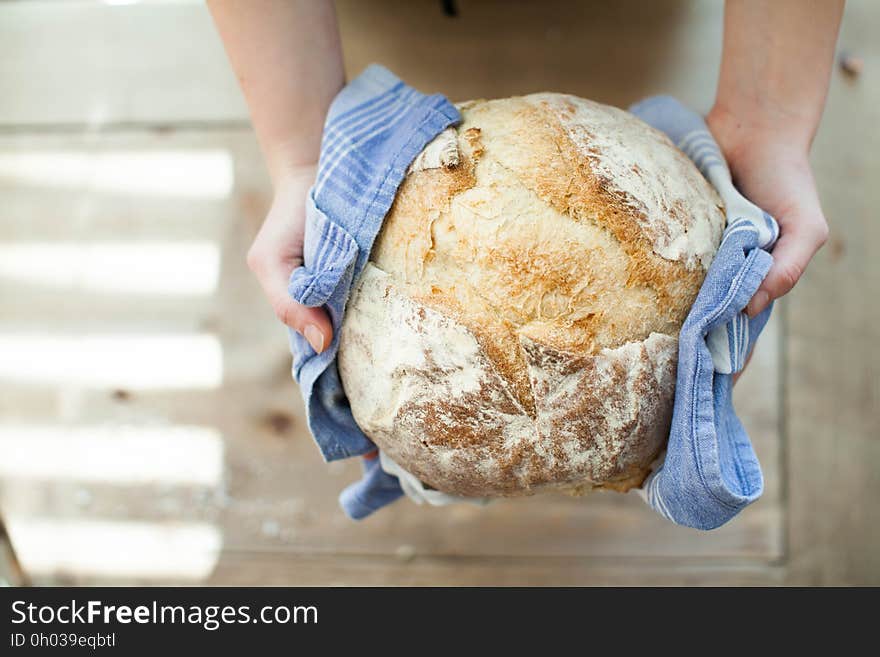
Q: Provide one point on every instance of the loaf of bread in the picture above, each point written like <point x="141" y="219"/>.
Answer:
<point x="516" y="329"/>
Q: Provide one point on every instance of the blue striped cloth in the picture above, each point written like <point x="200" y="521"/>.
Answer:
<point x="375" y="128"/>
<point x="711" y="472"/>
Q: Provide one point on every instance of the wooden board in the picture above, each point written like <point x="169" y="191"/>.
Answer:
<point x="613" y="52"/>
<point x="77" y="62"/>
<point x="833" y="375"/>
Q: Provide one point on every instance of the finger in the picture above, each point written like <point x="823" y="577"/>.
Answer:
<point x="796" y="247"/>
<point x="312" y="323"/>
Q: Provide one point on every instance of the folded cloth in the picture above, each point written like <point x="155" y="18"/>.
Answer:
<point x="375" y="489"/>
<point x="710" y="472"/>
<point x="375" y="127"/>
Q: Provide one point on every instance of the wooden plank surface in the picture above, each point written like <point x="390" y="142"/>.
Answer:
<point x="130" y="67"/>
<point x="275" y="495"/>
<point x="833" y="374"/>
<point x="402" y="570"/>
<point x="613" y="52"/>
<point x="78" y="62"/>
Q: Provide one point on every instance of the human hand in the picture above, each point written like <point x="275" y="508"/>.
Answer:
<point x="278" y="249"/>
<point x="770" y="166"/>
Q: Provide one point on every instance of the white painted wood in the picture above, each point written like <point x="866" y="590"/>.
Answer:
<point x="94" y="64"/>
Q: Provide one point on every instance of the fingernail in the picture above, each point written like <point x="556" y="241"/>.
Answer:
<point x="315" y="337"/>
<point x="758" y="303"/>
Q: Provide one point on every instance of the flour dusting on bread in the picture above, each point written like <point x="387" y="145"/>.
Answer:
<point x="516" y="329"/>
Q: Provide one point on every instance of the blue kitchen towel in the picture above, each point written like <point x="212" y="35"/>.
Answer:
<point x="711" y="472"/>
<point x="375" y="489"/>
<point x="375" y="128"/>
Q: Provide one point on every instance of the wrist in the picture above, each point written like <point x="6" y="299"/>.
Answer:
<point x="287" y="174"/>
<point x="291" y="156"/>
<point x="745" y="134"/>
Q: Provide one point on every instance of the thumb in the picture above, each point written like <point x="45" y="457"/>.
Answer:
<point x="312" y="323"/>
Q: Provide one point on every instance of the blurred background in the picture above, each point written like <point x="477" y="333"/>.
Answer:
<point x="149" y="428"/>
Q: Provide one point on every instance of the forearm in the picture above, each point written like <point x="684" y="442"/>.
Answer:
<point x="775" y="69"/>
<point x="776" y="65"/>
<point x="288" y="60"/>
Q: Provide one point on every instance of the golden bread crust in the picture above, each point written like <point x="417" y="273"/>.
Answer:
<point x="516" y="329"/>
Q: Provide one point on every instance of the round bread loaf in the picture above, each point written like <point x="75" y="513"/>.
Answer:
<point x="516" y="329"/>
